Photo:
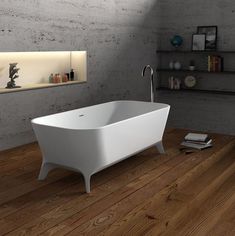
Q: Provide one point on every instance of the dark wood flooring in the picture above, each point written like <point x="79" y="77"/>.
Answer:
<point x="147" y="194"/>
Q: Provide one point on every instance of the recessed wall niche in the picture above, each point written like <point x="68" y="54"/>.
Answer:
<point x="36" y="67"/>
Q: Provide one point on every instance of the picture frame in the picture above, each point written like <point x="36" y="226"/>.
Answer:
<point x="211" y="36"/>
<point x="198" y="42"/>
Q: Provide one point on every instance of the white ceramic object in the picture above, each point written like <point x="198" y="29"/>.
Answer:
<point x="171" y="65"/>
<point x="92" y="138"/>
<point x="177" y="65"/>
<point x="191" y="68"/>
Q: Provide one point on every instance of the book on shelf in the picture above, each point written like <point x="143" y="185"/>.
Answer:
<point x="215" y="63"/>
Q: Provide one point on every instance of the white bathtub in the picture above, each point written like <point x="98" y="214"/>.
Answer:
<point x="92" y="138"/>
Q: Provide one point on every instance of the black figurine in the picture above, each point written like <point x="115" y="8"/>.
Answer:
<point x="13" y="74"/>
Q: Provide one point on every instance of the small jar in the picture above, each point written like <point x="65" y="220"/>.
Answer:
<point x="65" y="78"/>
<point x="54" y="79"/>
<point x="59" y="78"/>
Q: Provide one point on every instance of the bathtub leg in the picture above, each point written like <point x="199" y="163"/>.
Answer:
<point x="87" y="179"/>
<point x="160" y="148"/>
<point x="45" y="169"/>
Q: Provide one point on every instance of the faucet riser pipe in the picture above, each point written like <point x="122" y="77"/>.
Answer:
<point x="151" y="80"/>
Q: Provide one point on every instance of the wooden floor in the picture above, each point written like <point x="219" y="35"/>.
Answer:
<point x="148" y="194"/>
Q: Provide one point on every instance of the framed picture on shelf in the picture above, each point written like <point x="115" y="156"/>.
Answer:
<point x="211" y="36"/>
<point x="198" y="42"/>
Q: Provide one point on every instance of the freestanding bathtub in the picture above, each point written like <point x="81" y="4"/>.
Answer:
<point x="92" y="138"/>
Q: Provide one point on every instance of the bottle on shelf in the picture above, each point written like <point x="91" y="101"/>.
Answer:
<point x="50" y="79"/>
<point x="71" y="75"/>
<point x="59" y="78"/>
<point x="68" y="76"/>
<point x="65" y="78"/>
<point x="54" y="79"/>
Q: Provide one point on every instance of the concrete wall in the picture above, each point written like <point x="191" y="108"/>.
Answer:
<point x="201" y="111"/>
<point x="120" y="37"/>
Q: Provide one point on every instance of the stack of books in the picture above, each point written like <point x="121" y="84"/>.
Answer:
<point x="215" y="63"/>
<point x="197" y="141"/>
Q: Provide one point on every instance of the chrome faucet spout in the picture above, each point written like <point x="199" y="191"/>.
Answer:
<point x="151" y="79"/>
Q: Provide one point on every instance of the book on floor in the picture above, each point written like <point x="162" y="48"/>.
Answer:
<point x="197" y="141"/>
<point x="196" y="146"/>
<point x="196" y="137"/>
<point x="207" y="141"/>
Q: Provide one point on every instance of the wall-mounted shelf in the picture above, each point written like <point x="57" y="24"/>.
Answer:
<point x="196" y="91"/>
<point x="36" y="67"/>
<point x="195" y="52"/>
<point x="39" y="86"/>
<point x="207" y="85"/>
<point x="195" y="71"/>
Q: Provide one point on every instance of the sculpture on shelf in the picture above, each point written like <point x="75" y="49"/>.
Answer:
<point x="13" y="74"/>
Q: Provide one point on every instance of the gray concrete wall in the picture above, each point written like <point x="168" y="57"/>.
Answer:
<point x="200" y="111"/>
<point x="120" y="37"/>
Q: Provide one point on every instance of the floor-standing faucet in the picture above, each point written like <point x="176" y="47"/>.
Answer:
<point x="151" y="78"/>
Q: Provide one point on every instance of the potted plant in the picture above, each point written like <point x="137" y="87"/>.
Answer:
<point x="192" y="65"/>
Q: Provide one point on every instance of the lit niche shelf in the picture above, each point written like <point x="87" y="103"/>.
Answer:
<point x="36" y="67"/>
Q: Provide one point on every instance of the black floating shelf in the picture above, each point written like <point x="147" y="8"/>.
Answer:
<point x="197" y="91"/>
<point x="195" y="52"/>
<point x="194" y="71"/>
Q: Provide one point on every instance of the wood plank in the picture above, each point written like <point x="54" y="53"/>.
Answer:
<point x="103" y="177"/>
<point x="17" y="153"/>
<point x="173" y="218"/>
<point x="20" y="176"/>
<point x="58" y="206"/>
<point x="150" y="153"/>
<point x="28" y="186"/>
<point x="159" y="209"/>
<point x="23" y="202"/>
<point x="15" y="164"/>
<point x="200" y="221"/>
<point x="133" y="200"/>
<point x="226" y="223"/>
<point x="116" y="183"/>
<point x="82" y="201"/>
<point x="196" y="202"/>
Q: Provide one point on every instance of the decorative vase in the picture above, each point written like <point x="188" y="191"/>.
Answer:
<point x="177" y="65"/>
<point x="191" y="68"/>
<point x="171" y="65"/>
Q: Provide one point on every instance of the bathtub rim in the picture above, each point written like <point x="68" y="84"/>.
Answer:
<point x="33" y="121"/>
